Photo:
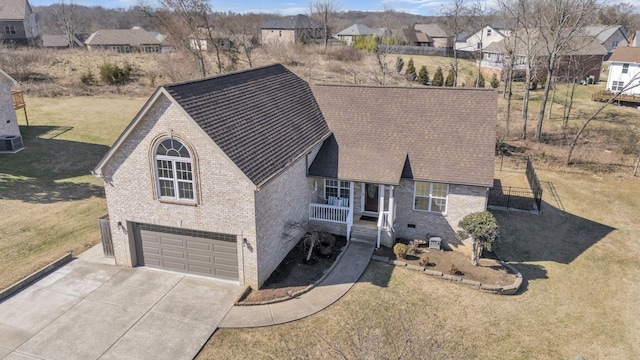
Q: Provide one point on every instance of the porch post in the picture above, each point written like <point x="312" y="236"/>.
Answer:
<point x="350" y="215"/>
<point x="391" y="207"/>
<point x="380" y="211"/>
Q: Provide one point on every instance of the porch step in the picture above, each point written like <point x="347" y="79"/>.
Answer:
<point x="365" y="234"/>
<point x="364" y="241"/>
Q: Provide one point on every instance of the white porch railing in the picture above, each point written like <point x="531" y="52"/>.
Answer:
<point x="330" y="213"/>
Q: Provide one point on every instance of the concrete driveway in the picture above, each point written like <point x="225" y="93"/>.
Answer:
<point x="90" y="309"/>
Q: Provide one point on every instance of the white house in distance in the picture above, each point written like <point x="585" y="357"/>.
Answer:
<point x="482" y="38"/>
<point x="625" y="67"/>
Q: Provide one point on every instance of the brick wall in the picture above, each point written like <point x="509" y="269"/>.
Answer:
<point x="282" y="214"/>
<point x="225" y="196"/>
<point x="273" y="36"/>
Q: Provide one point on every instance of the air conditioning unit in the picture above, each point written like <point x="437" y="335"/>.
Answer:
<point x="11" y="143"/>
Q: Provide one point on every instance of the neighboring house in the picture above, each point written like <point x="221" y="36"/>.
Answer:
<point x="198" y="186"/>
<point x="350" y="34"/>
<point x="292" y="29"/>
<point x="165" y="46"/>
<point x="18" y="24"/>
<point x="610" y="36"/>
<point x="10" y="138"/>
<point x="204" y="40"/>
<point x="135" y="39"/>
<point x="438" y="33"/>
<point x="583" y="62"/>
<point x="481" y="38"/>
<point x="413" y="37"/>
<point x="60" y="42"/>
<point x="625" y="66"/>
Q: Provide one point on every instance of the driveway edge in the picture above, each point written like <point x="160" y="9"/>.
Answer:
<point x="28" y="280"/>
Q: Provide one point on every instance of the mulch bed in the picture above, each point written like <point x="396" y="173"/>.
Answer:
<point x="488" y="272"/>
<point x="294" y="273"/>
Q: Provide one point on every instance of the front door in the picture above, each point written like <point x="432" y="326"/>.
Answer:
<point x="371" y="198"/>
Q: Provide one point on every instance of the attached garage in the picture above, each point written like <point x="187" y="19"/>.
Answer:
<point x="189" y="251"/>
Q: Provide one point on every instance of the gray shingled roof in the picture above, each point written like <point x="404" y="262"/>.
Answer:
<point x="603" y="32"/>
<point x="291" y="23"/>
<point x="263" y="119"/>
<point x="434" y="30"/>
<point x="361" y="29"/>
<point x="381" y="134"/>
<point x="13" y="9"/>
<point x="133" y="37"/>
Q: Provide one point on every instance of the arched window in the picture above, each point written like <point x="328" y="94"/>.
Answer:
<point x="174" y="171"/>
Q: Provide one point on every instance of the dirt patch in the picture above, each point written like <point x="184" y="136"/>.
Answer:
<point x="488" y="272"/>
<point x="295" y="273"/>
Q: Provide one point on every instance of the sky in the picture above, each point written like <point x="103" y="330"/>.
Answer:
<point x="283" y="7"/>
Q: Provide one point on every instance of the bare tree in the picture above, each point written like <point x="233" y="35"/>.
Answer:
<point x="324" y="11"/>
<point x="243" y="31"/>
<point x="630" y="85"/>
<point x="458" y="19"/>
<point x="560" y="21"/>
<point x="65" y="17"/>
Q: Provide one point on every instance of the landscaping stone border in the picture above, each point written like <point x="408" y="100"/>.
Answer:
<point x="494" y="289"/>
<point x="28" y="280"/>
<point x="294" y="294"/>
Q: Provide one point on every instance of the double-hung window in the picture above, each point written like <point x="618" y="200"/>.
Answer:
<point x="336" y="189"/>
<point x="625" y="68"/>
<point x="9" y="30"/>
<point x="617" y="86"/>
<point x="430" y="196"/>
<point x="174" y="171"/>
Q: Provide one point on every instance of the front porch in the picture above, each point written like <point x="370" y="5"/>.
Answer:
<point x="343" y="213"/>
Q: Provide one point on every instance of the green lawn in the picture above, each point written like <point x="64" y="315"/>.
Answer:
<point x="580" y="296"/>
<point x="49" y="199"/>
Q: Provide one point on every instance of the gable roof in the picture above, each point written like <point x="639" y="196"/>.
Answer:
<point x="415" y="36"/>
<point x="14" y="9"/>
<point x="134" y="37"/>
<point x="263" y="119"/>
<point x="381" y="134"/>
<point x="292" y="22"/>
<point x="59" y="41"/>
<point x="626" y="54"/>
<point x="434" y="30"/>
<point x="361" y="29"/>
<point x="603" y="32"/>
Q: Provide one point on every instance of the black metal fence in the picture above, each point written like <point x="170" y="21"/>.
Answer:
<point x="518" y="198"/>
<point x="105" y="234"/>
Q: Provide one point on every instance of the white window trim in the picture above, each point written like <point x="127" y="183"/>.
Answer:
<point x="339" y="187"/>
<point x="625" y="68"/>
<point x="174" y="178"/>
<point x="431" y="197"/>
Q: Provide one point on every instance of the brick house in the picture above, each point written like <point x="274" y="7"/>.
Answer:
<point x="215" y="176"/>
<point x="292" y="29"/>
<point x="10" y="138"/>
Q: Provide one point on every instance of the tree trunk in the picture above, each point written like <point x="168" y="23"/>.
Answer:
<point x="635" y="168"/>
<point x="553" y="96"/>
<point x="525" y="103"/>
<point x="475" y="251"/>
<point x="547" y="86"/>
<point x="573" y="92"/>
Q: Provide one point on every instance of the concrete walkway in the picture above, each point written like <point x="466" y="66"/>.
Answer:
<point x="92" y="309"/>
<point x="345" y="273"/>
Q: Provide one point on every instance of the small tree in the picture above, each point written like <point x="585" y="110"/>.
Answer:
<point x="399" y="64"/>
<point x="423" y="75"/>
<point x="451" y="77"/>
<point x="494" y="81"/>
<point x="483" y="228"/>
<point x="438" y="78"/>
<point x="480" y="82"/>
<point x="410" y="74"/>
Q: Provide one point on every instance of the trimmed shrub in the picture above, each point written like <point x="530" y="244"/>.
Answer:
<point x="451" y="76"/>
<point x="399" y="64"/>
<point x="400" y="250"/>
<point x="494" y="81"/>
<point x="410" y="74"/>
<point x="423" y="75"/>
<point x="438" y="78"/>
<point x="480" y="82"/>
